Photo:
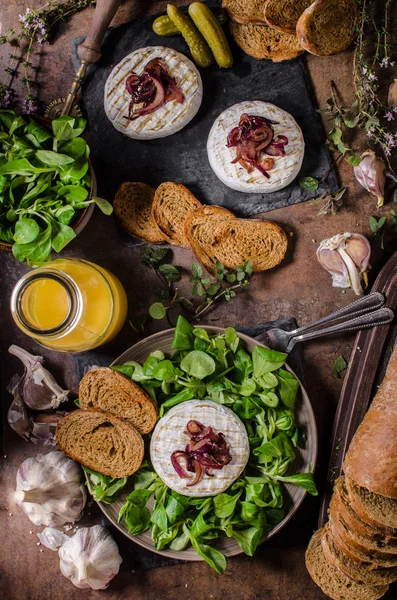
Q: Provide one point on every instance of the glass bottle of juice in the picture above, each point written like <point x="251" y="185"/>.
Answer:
<point x="69" y="305"/>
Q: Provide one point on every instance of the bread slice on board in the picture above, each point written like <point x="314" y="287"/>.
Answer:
<point x="327" y="26"/>
<point x="358" y="571"/>
<point x="372" y="508"/>
<point x="333" y="582"/>
<point x="243" y="11"/>
<point x="101" y="442"/>
<point x="371" y="460"/>
<point x="359" y="534"/>
<point x="112" y="392"/>
<point x="262" y="242"/>
<point x="132" y="207"/>
<point x="172" y="203"/>
<point x="283" y="15"/>
<point x="263" y="42"/>
<point x="200" y="227"/>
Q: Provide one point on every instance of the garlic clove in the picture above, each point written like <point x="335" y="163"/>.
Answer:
<point x="346" y="257"/>
<point x="18" y="415"/>
<point x="371" y="174"/>
<point x="52" y="538"/>
<point x="44" y="426"/>
<point x="49" y="489"/>
<point x="90" y="559"/>
<point x="40" y="391"/>
<point x="392" y="97"/>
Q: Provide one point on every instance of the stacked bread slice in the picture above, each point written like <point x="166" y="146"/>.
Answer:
<point x="282" y="29"/>
<point x="354" y="557"/>
<point x="105" y="434"/>
<point x="173" y="214"/>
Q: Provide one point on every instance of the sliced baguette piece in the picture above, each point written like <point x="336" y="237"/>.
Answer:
<point x="172" y="203"/>
<point x="244" y="12"/>
<point x="371" y="460"/>
<point x="372" y="508"/>
<point x="112" y="392"/>
<point x="262" y="242"/>
<point x="283" y="15"/>
<point x="375" y="537"/>
<point x="200" y="227"/>
<point x="333" y="582"/>
<point x="327" y="26"/>
<point x="263" y="42"/>
<point x="132" y="207"/>
<point x="358" y="571"/>
<point x="101" y="442"/>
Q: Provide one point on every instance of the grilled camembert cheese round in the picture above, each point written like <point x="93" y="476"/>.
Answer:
<point x="169" y="436"/>
<point x="169" y="118"/>
<point x="285" y="169"/>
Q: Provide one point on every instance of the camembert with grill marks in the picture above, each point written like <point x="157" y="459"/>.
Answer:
<point x="169" y="118"/>
<point x="169" y="435"/>
<point x="235" y="176"/>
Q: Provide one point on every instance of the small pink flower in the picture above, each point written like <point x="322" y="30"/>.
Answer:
<point x="389" y="116"/>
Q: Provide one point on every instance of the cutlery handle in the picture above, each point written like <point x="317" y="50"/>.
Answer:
<point x="359" y="307"/>
<point x="90" y="50"/>
<point x="382" y="316"/>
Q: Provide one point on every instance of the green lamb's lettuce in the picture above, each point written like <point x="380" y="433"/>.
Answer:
<point x="44" y="184"/>
<point x="263" y="394"/>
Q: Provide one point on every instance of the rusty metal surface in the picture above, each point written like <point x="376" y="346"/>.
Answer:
<point x="299" y="288"/>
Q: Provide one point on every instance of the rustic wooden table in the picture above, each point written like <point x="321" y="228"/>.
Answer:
<point x="299" y="288"/>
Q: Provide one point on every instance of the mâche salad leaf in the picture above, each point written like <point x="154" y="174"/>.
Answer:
<point x="44" y="184"/>
<point x="263" y="394"/>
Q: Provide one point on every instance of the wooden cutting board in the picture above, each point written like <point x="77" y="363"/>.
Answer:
<point x="368" y="362"/>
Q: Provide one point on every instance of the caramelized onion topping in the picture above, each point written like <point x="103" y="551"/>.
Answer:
<point x="206" y="451"/>
<point x="253" y="138"/>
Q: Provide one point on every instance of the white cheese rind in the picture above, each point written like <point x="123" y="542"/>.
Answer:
<point x="285" y="169"/>
<point x="167" y="119"/>
<point x="169" y="436"/>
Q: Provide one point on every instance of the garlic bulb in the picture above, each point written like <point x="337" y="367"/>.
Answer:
<point x="370" y="173"/>
<point x="52" y="538"/>
<point x="346" y="257"/>
<point x="49" y="489"/>
<point x="90" y="559"/>
<point x="39" y="389"/>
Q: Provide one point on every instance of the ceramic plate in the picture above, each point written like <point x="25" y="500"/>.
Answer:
<point x="305" y="459"/>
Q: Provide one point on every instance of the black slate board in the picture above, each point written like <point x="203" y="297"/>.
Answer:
<point x="134" y="556"/>
<point x="183" y="157"/>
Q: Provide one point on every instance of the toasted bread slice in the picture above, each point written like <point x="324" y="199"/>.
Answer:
<point x="171" y="204"/>
<point x="333" y="582"/>
<point x="283" y="15"/>
<point x="244" y="12"/>
<point x="132" y="207"/>
<point x="262" y="242"/>
<point x="200" y="227"/>
<point x="261" y="41"/>
<point x="101" y="442"/>
<point x="327" y="26"/>
<point x="112" y="392"/>
<point x="372" y="508"/>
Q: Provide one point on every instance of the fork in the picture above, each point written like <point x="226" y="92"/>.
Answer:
<point x="361" y="314"/>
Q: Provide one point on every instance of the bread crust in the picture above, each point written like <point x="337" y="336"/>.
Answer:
<point x="283" y="15"/>
<point x="371" y="460"/>
<point x="242" y="17"/>
<point x="132" y="208"/>
<point x="263" y="42"/>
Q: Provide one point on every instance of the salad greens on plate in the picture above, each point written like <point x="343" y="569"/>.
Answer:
<point x="262" y="393"/>
<point x="44" y="184"/>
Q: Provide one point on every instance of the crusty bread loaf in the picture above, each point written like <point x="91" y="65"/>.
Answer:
<point x="372" y="508"/>
<point x="200" y="227"/>
<point x="333" y="582"/>
<point x="283" y="15"/>
<point x="171" y="204"/>
<point x="367" y="535"/>
<point x="113" y="393"/>
<point x="262" y="242"/>
<point x="371" y="460"/>
<point x="245" y="11"/>
<point x="360" y="572"/>
<point x="327" y="26"/>
<point x="261" y="41"/>
<point x="101" y="442"/>
<point x="132" y="207"/>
